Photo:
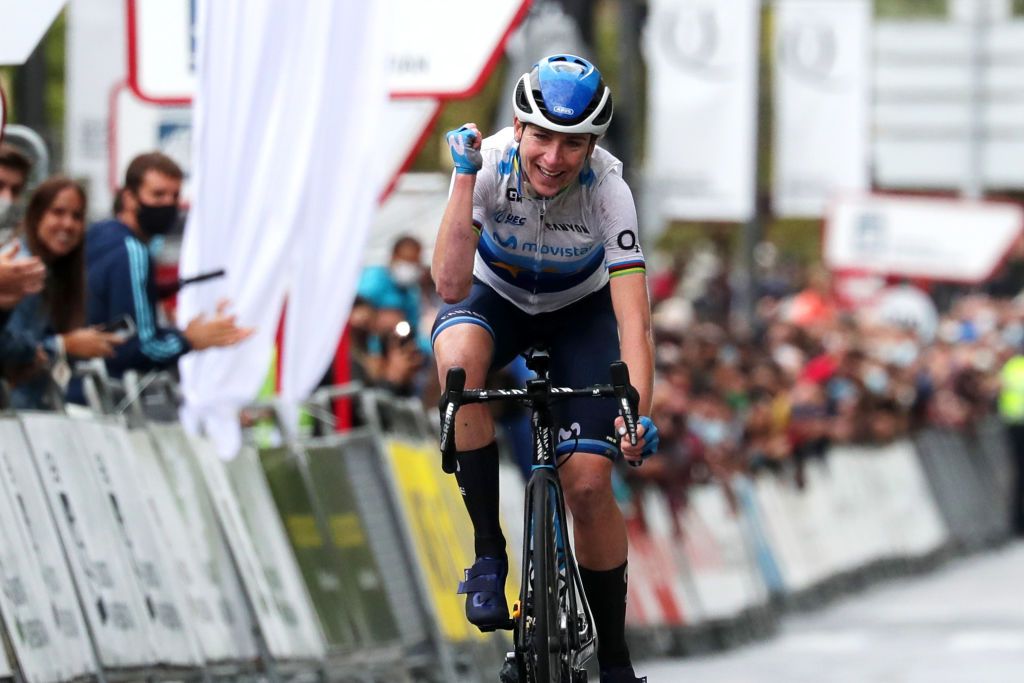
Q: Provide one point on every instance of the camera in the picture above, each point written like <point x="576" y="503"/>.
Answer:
<point x="402" y="334"/>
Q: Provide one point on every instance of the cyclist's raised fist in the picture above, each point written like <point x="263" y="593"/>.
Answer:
<point x="464" y="144"/>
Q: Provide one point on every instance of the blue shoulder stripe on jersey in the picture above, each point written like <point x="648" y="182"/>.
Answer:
<point x="505" y="166"/>
<point x="587" y="176"/>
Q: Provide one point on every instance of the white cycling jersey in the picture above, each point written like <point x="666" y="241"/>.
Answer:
<point x="543" y="254"/>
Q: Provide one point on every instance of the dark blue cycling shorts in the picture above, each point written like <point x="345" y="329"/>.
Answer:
<point x="582" y="338"/>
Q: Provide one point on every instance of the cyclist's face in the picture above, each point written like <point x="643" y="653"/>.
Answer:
<point x="552" y="160"/>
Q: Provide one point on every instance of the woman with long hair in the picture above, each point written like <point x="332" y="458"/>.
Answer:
<point x="47" y="328"/>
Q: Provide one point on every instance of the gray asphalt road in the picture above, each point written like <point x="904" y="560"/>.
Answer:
<point x="962" y="624"/>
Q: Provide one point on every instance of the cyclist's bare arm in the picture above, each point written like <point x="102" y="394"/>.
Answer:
<point x="452" y="265"/>
<point x="633" y="313"/>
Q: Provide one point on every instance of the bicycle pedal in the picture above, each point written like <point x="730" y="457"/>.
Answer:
<point x="507" y="625"/>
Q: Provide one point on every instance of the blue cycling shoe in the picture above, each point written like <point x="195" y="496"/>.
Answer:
<point x="621" y="674"/>
<point x="484" y="589"/>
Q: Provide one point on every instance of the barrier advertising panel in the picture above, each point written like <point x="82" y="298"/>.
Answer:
<point x="285" y="616"/>
<point x="107" y="585"/>
<point x="216" y="618"/>
<point x="350" y="534"/>
<point x="206" y="541"/>
<point x="40" y="610"/>
<point x="106" y="446"/>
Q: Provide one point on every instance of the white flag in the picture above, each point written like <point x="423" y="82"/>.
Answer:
<point x="702" y="107"/>
<point x="822" y="71"/>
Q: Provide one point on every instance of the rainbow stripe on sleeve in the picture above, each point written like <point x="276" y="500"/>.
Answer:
<point x="477" y="228"/>
<point x="627" y="268"/>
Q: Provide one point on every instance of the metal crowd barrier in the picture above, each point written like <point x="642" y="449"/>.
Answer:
<point x="129" y="550"/>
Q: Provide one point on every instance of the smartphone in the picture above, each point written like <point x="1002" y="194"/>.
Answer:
<point x="123" y="327"/>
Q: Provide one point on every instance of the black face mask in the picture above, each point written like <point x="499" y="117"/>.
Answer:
<point x="156" y="220"/>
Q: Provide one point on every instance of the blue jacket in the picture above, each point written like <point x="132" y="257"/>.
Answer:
<point x="119" y="281"/>
<point x="27" y="329"/>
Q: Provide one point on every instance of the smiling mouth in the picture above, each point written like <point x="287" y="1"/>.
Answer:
<point x="549" y="174"/>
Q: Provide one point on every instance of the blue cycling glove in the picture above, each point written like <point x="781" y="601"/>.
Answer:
<point x="460" y="142"/>
<point x="651" y="437"/>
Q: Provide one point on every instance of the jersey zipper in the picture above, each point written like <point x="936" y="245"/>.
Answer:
<point x="540" y="248"/>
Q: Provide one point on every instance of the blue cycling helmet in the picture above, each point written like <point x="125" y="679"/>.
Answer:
<point x="564" y="93"/>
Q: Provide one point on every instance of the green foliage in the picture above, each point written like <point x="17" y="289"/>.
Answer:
<point x="909" y="9"/>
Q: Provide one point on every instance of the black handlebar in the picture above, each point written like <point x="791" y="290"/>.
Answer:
<point x="455" y="395"/>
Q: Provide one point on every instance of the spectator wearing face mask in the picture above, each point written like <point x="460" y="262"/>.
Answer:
<point x="397" y="284"/>
<point x="120" y="273"/>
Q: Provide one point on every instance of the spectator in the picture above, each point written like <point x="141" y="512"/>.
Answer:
<point x="121" y="279"/>
<point x="396" y="286"/>
<point x="46" y="327"/>
<point x="14" y="169"/>
<point x="19" y="275"/>
<point x="1011" y="409"/>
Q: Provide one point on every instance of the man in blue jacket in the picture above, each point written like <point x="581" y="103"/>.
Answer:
<point x="119" y="272"/>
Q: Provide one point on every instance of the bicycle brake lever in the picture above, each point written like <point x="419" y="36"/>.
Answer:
<point x="628" y="399"/>
<point x="455" y="382"/>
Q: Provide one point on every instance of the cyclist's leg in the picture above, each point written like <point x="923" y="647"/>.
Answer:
<point x="464" y="336"/>
<point x="584" y="342"/>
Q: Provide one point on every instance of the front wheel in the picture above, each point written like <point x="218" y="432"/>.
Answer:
<point x="546" y="644"/>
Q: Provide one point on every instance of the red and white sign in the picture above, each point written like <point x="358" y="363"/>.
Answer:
<point x="921" y="237"/>
<point x="137" y="126"/>
<point x="442" y="49"/>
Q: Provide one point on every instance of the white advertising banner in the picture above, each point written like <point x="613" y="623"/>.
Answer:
<point x="923" y="122"/>
<point x="942" y="239"/>
<point x="286" y="174"/>
<point x="702" y="107"/>
<point x="822" y="86"/>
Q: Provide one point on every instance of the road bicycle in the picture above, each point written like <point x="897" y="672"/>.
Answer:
<point x="553" y="628"/>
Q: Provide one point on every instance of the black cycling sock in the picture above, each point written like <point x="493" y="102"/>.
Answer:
<point x="478" y="479"/>
<point x="606" y="593"/>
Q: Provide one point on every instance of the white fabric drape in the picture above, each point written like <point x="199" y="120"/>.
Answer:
<point x="702" y="107"/>
<point x="822" y="86"/>
<point x="287" y="100"/>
